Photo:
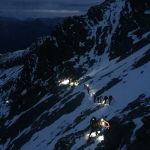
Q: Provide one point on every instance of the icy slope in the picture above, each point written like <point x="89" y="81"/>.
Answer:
<point x="72" y="114"/>
<point x="11" y="65"/>
<point x="127" y="84"/>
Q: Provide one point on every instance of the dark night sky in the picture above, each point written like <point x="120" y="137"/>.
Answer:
<point x="44" y="8"/>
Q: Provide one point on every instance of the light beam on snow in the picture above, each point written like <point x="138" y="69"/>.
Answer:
<point x="103" y="102"/>
<point x="87" y="135"/>
<point x="100" y="138"/>
<point x="93" y="134"/>
<point x="92" y="93"/>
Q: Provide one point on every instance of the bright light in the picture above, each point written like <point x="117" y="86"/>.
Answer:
<point x="87" y="85"/>
<point x="93" y="134"/>
<point x="103" y="102"/>
<point x="71" y="83"/>
<point x="67" y="82"/>
<point x="87" y="136"/>
<point x="76" y="83"/>
<point x="93" y="93"/>
<point x="7" y="102"/>
<point x="64" y="82"/>
<point x="98" y="138"/>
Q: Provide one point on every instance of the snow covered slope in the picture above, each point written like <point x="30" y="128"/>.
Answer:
<point x="109" y="49"/>
<point x="121" y="80"/>
<point x="11" y="65"/>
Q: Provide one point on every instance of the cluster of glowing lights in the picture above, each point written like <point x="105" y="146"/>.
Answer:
<point x="67" y="82"/>
<point x="99" y="138"/>
<point x="64" y="82"/>
<point x="74" y="84"/>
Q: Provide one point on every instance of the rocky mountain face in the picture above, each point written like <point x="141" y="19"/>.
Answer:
<point x="108" y="48"/>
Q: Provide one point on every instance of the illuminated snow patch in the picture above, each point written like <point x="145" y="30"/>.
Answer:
<point x="92" y="135"/>
<point x="100" y="138"/>
<point x="92" y="93"/>
<point x="103" y="102"/>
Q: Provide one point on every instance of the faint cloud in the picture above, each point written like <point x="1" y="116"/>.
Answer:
<point x="42" y="11"/>
<point x="44" y="8"/>
<point x="35" y="13"/>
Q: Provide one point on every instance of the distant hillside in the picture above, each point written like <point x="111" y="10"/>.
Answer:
<point x="20" y="34"/>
